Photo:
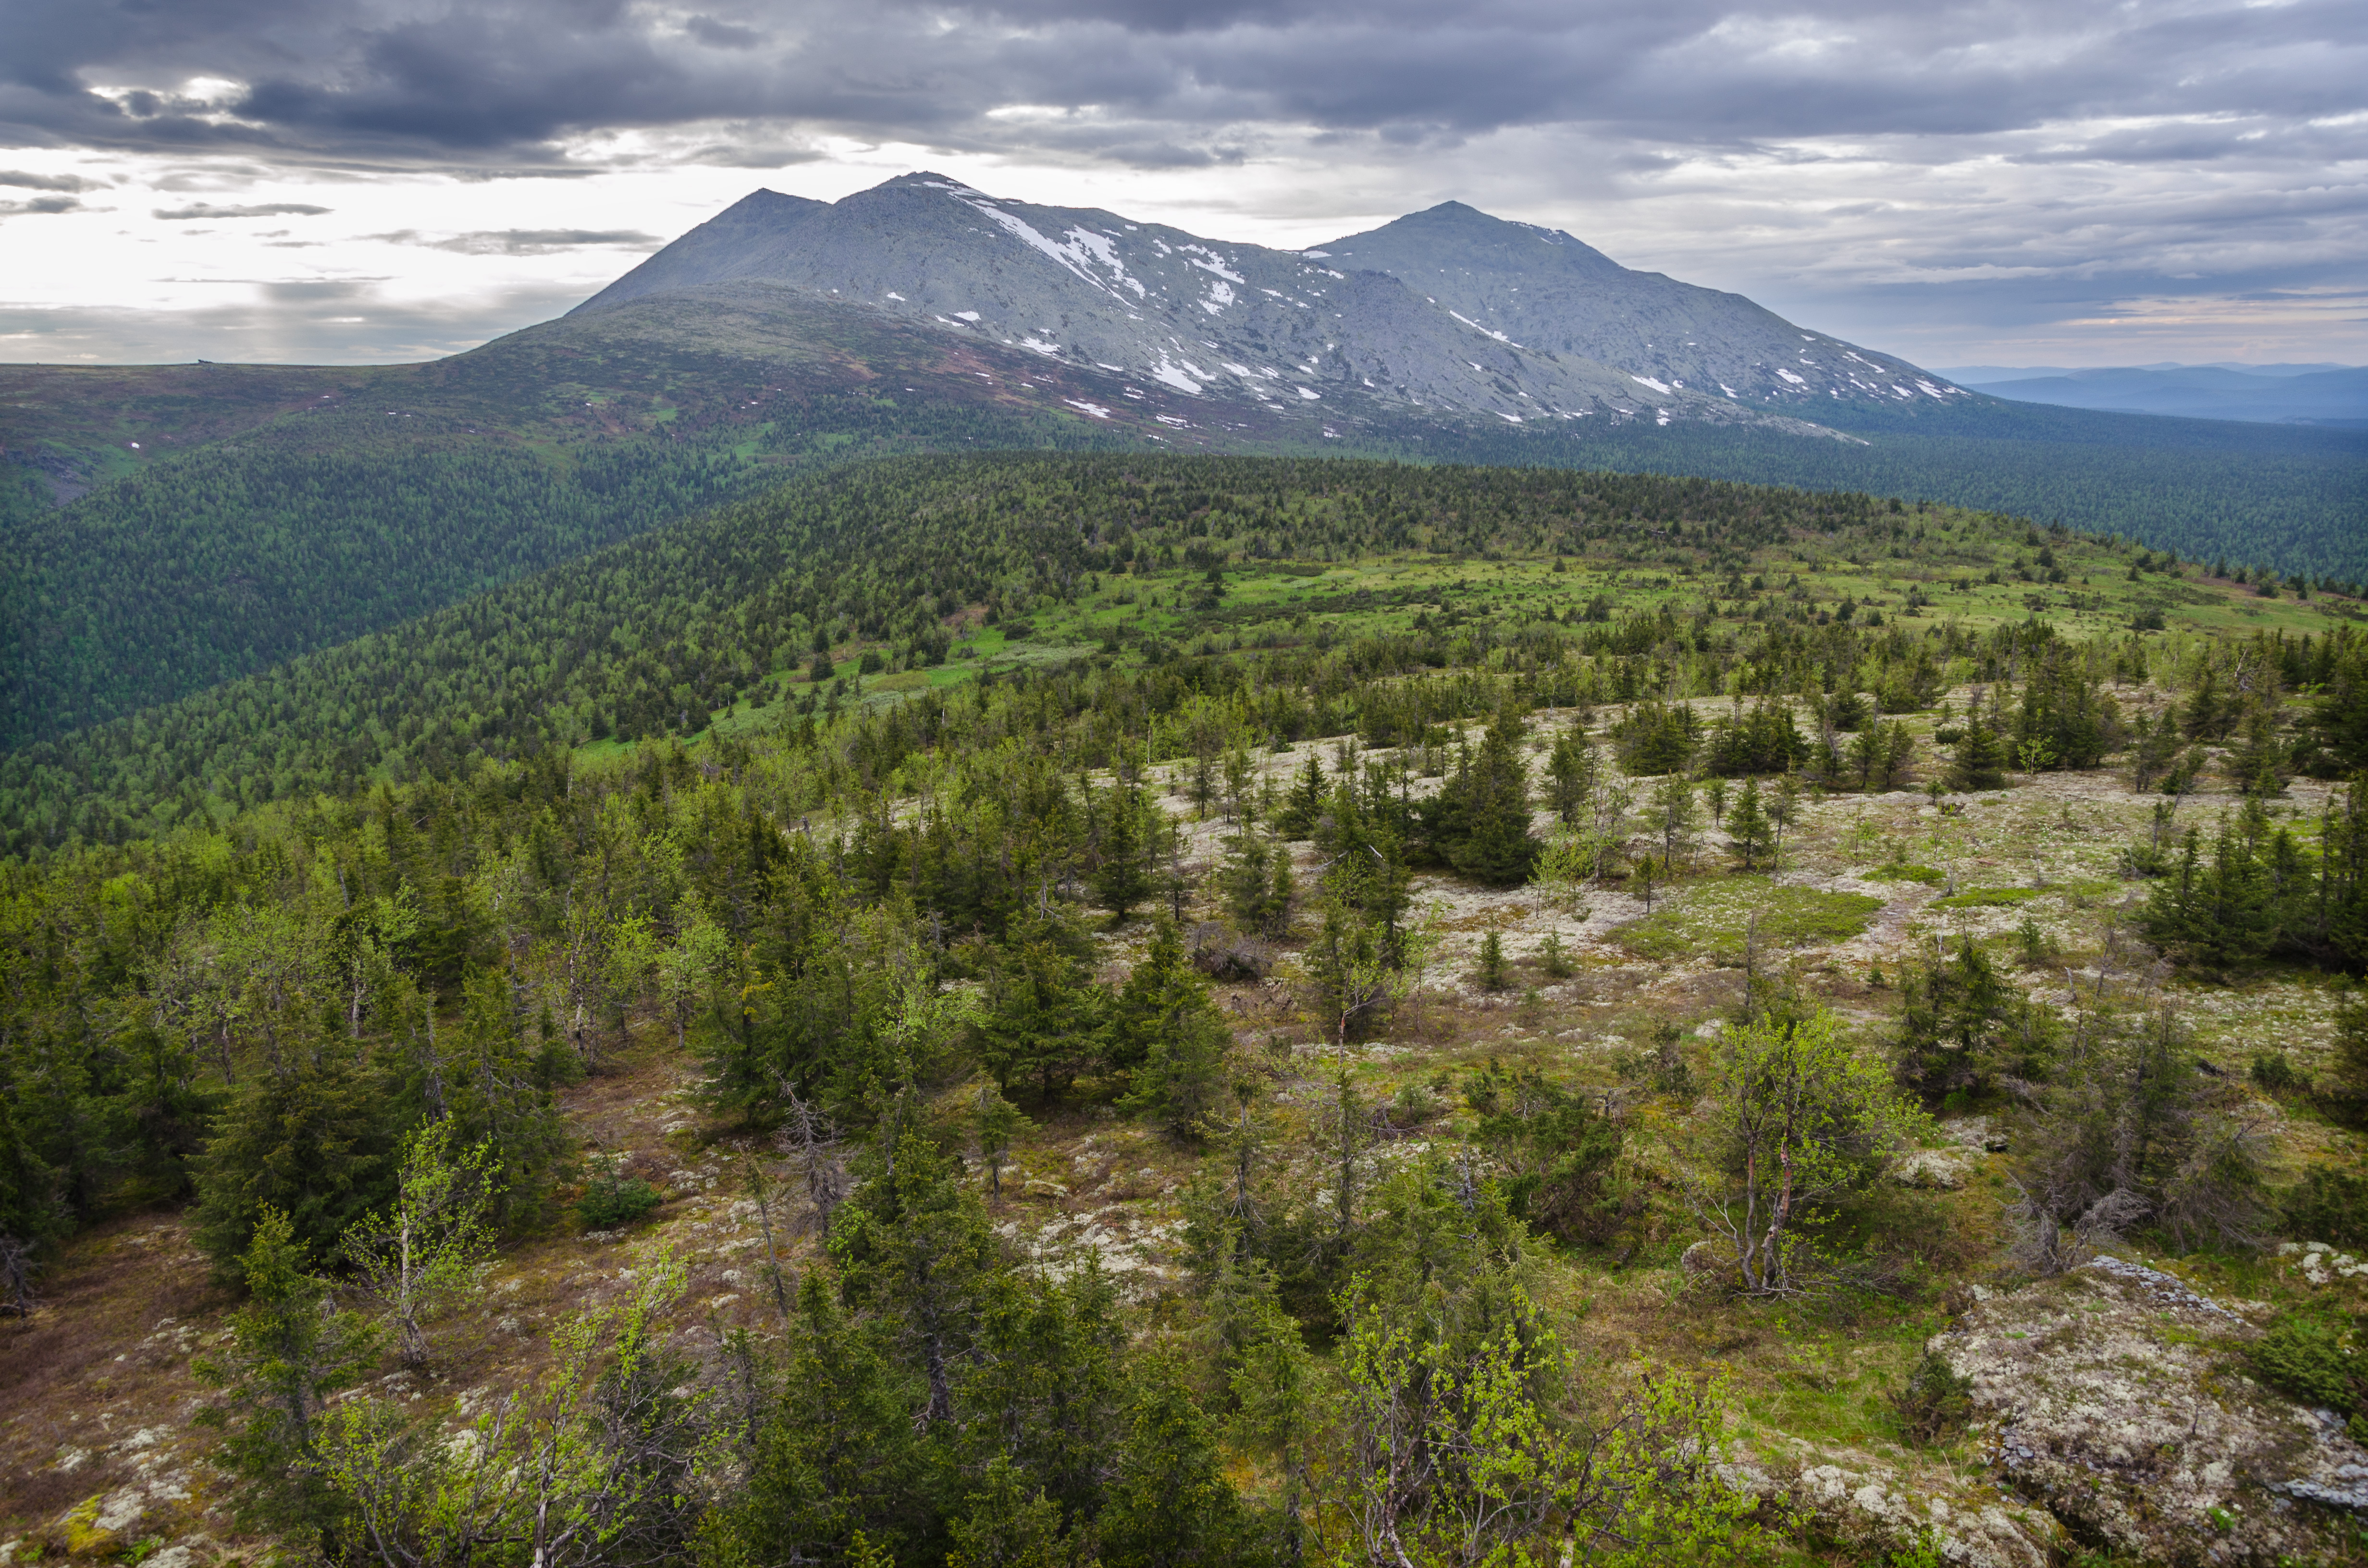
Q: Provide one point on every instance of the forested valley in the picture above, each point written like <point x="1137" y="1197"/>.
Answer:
<point x="171" y="528"/>
<point x="1031" y="1009"/>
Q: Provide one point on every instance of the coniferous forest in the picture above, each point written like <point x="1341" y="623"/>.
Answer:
<point x="1033" y="1008"/>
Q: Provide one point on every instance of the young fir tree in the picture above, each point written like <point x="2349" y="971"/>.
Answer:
<point x="1165" y="1029"/>
<point x="1980" y="762"/>
<point x="1122" y="879"/>
<point x="1169" y="1506"/>
<point x="836" y="1457"/>
<point x="915" y="1249"/>
<point x="1000" y="1121"/>
<point x="290" y="1348"/>
<point x="1490" y="971"/>
<point x="1674" y="817"/>
<point x="1256" y="883"/>
<point x="496" y="1083"/>
<point x="1572" y="768"/>
<point x="1302" y="805"/>
<point x="1044" y="1014"/>
<point x="1004" y="1525"/>
<point x="1488" y="833"/>
<point x="1748" y="824"/>
<point x="308" y="1141"/>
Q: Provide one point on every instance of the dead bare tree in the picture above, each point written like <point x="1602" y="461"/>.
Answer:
<point x="2128" y="1131"/>
<point x="813" y="1142"/>
<point x="16" y="1271"/>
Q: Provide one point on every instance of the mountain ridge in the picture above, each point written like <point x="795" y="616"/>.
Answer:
<point x="1592" y="340"/>
<point x="2332" y="395"/>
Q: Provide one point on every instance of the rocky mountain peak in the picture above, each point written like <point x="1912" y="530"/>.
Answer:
<point x="1449" y="308"/>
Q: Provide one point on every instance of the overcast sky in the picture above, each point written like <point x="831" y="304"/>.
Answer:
<point x="2068" y="183"/>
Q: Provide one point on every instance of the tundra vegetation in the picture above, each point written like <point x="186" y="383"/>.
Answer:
<point x="1164" y="1011"/>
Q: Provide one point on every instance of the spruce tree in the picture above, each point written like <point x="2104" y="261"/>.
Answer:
<point x="1004" y="1525"/>
<point x="1045" y="1013"/>
<point x="836" y="1457"/>
<point x="1492" y="842"/>
<point x="1981" y="758"/>
<point x="1122" y="879"/>
<point x="1170" y="1505"/>
<point x="308" y="1141"/>
<point x="1571" y="771"/>
<point x="288" y="1349"/>
<point x="1000" y="1121"/>
<point x="1748" y="824"/>
<point x="495" y="1084"/>
<point x="917" y="1250"/>
<point x="1255" y="880"/>
<point x="1302" y="805"/>
<point x="1165" y="1028"/>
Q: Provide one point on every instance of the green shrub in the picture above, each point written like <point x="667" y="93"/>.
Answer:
<point x="1935" y="1403"/>
<point x="1988" y="898"/>
<point x="1901" y="872"/>
<point x="2328" y="1205"/>
<point x="611" y="1199"/>
<point x="2274" y="1073"/>
<point x="2311" y="1358"/>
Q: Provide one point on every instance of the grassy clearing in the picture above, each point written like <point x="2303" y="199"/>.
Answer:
<point x="1903" y="874"/>
<point x="1712" y="920"/>
<point x="1989" y="898"/>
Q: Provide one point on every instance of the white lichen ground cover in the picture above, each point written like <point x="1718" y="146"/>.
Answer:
<point x="2111" y="1405"/>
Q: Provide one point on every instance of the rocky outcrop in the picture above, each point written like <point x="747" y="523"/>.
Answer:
<point x="1865" y="1504"/>
<point x="2114" y="1395"/>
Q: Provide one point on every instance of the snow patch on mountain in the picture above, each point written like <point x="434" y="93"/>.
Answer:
<point x="1167" y="374"/>
<point x="1489" y="331"/>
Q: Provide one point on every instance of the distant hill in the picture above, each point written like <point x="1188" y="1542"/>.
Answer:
<point x="2317" y="394"/>
<point x="167" y="528"/>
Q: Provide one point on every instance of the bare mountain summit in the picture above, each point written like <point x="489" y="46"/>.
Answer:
<point x="1449" y="309"/>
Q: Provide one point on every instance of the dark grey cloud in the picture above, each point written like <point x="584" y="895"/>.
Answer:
<point x="2172" y="149"/>
<point x="39" y="205"/>
<point x="723" y="35"/>
<point x="367" y="78"/>
<point x="21" y="180"/>
<point x="524" y="242"/>
<point x="197" y="210"/>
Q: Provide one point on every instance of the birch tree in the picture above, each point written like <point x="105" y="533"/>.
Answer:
<point x="429" y="1248"/>
<point x="1798" y="1118"/>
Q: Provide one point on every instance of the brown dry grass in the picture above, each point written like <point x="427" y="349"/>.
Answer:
<point x="98" y="1362"/>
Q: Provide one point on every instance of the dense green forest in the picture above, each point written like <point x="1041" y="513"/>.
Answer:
<point x="237" y="517"/>
<point x="2287" y="498"/>
<point x="240" y="556"/>
<point x="844" y="800"/>
<point x="651" y="636"/>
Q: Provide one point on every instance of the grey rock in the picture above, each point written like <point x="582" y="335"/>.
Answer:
<point x="2116" y="1405"/>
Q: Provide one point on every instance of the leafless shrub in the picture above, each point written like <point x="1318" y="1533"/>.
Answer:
<point x="2129" y="1131"/>
<point x="1225" y="954"/>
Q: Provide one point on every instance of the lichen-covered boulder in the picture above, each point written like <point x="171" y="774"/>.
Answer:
<point x="1870" y="1505"/>
<point x="2115" y="1395"/>
<point x="1939" y="1169"/>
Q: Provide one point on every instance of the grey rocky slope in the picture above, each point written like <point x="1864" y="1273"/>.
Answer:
<point x="1449" y="310"/>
